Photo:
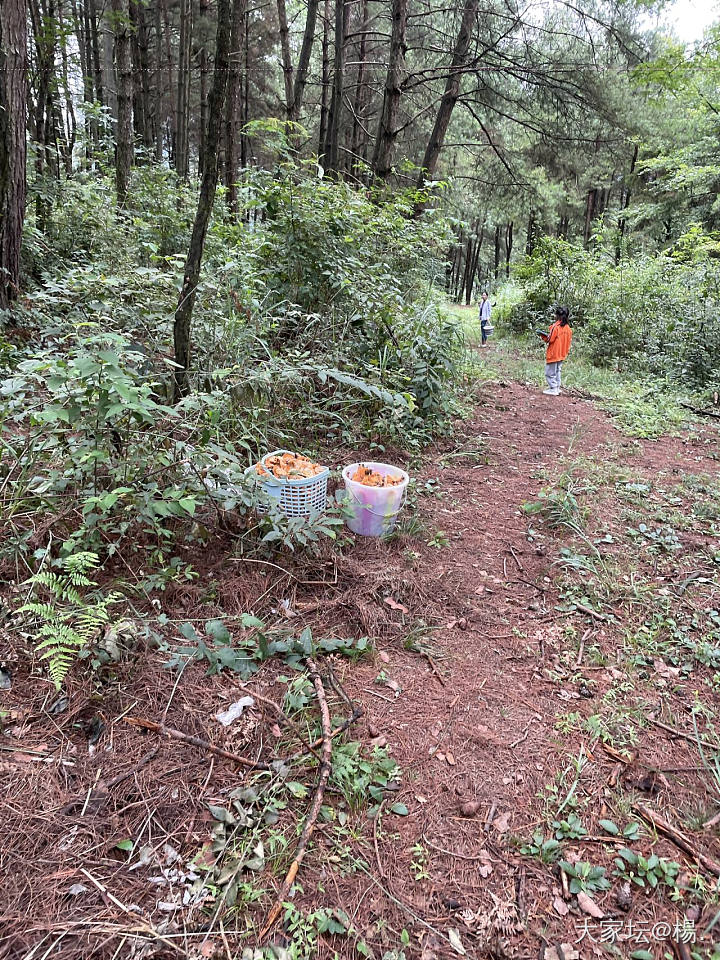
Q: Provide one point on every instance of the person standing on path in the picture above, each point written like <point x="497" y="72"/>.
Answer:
<point x="484" y="313"/>
<point x="558" y="339"/>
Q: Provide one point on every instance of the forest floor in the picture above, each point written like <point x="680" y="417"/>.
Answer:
<point x="545" y="629"/>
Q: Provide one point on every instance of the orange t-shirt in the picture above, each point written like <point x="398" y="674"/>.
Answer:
<point x="558" y="342"/>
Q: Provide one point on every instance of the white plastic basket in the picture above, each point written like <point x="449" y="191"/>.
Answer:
<point x="302" y="497"/>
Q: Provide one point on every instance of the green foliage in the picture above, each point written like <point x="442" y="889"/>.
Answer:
<point x="66" y="613"/>
<point x="652" y="870"/>
<point x="584" y="876"/>
<point x="547" y="849"/>
<point x="258" y="645"/>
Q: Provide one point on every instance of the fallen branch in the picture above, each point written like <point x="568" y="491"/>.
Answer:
<point x="583" y="608"/>
<point x="312" y="815"/>
<point x="699" y="411"/>
<point x="679" y="839"/>
<point x="285" y="720"/>
<point x="681" y="733"/>
<point x="196" y="742"/>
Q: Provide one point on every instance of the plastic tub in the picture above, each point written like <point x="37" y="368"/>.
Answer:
<point x="374" y="509"/>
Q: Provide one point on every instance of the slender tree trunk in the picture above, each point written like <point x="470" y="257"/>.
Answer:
<point x="497" y="252"/>
<point x="530" y="236"/>
<point x="43" y="23"/>
<point x="159" y="116"/>
<point x="590" y="205"/>
<point x="108" y="47"/>
<point x="204" y="67"/>
<point x="123" y="56"/>
<point x="13" y="149"/>
<point x="182" y="144"/>
<point x="183" y="314"/>
<point x="303" y="66"/>
<point x="332" y="149"/>
<point x="325" y="82"/>
<point x="451" y="93"/>
<point x="141" y="74"/>
<point x="94" y="29"/>
<point x="286" y="58"/>
<point x="69" y="106"/>
<point x="245" y="112"/>
<point x="172" y="91"/>
<point x="622" y="223"/>
<point x="359" y="137"/>
<point x="387" y="128"/>
<point x="508" y="247"/>
<point x="473" y="268"/>
<point x="231" y="103"/>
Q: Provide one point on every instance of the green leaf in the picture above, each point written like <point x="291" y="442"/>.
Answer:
<point x="188" y="504"/>
<point x="400" y="809"/>
<point x="218" y="631"/>
<point x="641" y="955"/>
<point x="125" y="845"/>
<point x="609" y="827"/>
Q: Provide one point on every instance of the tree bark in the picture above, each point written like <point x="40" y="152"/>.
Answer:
<point x="359" y="136"/>
<point x="13" y="150"/>
<point x="204" y="67"/>
<point x="69" y="106"/>
<point x="325" y="81"/>
<point x="158" y="118"/>
<point x="123" y="57"/>
<point x="332" y="149"/>
<point x="182" y="119"/>
<point x="141" y="74"/>
<point x="497" y="252"/>
<point x="387" y="128"/>
<point x="285" y="53"/>
<point x="473" y="268"/>
<point x="183" y="314"/>
<point x="44" y="35"/>
<point x="450" y="95"/>
<point x="303" y="66"/>
<point x="231" y="103"/>
<point x="508" y="247"/>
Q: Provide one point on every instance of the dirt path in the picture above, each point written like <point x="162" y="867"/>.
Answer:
<point x="465" y="690"/>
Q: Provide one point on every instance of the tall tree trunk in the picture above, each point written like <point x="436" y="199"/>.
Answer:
<point x="13" y="149"/>
<point x="387" y="128"/>
<point x="159" y="115"/>
<point x="94" y="30"/>
<point x="508" y="247"/>
<point x="590" y="205"/>
<point x="359" y="137"/>
<point x="141" y="74"/>
<point x="204" y="67"/>
<point x="303" y="66"/>
<point x="473" y="268"/>
<point x="245" y="106"/>
<point x="123" y="57"/>
<point x="69" y="106"/>
<point x="451" y="93"/>
<point x="43" y="23"/>
<point x="496" y="272"/>
<point x="530" y="236"/>
<point x="332" y="148"/>
<point x="108" y="48"/>
<point x="182" y="120"/>
<point x="325" y="82"/>
<point x="622" y="223"/>
<point x="469" y="254"/>
<point x="287" y="68"/>
<point x="183" y="314"/>
<point x="231" y="103"/>
<point x="172" y="139"/>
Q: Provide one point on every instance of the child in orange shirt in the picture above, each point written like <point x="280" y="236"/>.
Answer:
<point x="558" y="339"/>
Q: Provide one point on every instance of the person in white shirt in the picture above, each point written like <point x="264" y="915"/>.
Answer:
<point x="485" y="310"/>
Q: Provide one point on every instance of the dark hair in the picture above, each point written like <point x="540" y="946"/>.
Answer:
<point x="563" y="315"/>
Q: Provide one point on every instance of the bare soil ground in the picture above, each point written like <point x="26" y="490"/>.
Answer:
<point x="511" y="691"/>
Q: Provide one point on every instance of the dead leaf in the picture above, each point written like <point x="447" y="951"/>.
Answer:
<point x="485" y="868"/>
<point x="394" y="605"/>
<point x="560" y="907"/>
<point x="455" y="941"/>
<point x="501" y="823"/>
<point x="384" y="657"/>
<point x="469" y="808"/>
<point x="588" y="905"/>
<point x="450" y="758"/>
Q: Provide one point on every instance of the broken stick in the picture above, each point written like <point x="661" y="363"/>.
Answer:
<point x="196" y="742"/>
<point x="312" y="815"/>
<point x="679" y="839"/>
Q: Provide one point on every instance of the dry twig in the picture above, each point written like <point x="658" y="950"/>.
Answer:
<point x="312" y="815"/>
<point x="679" y="839"/>
<point x="196" y="742"/>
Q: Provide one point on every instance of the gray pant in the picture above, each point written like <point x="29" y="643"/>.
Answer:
<point x="552" y="374"/>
